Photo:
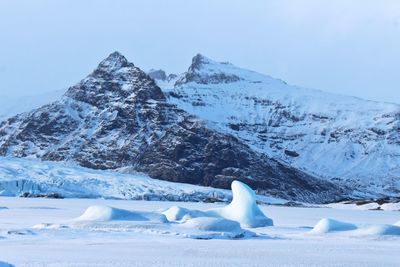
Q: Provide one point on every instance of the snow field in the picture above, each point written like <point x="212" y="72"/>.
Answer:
<point x="59" y="241"/>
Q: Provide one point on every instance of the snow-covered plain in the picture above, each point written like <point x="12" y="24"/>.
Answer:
<point x="46" y="232"/>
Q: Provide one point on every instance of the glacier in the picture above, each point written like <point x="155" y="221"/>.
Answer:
<point x="33" y="178"/>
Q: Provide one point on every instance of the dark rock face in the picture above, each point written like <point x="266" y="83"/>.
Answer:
<point x="118" y="117"/>
<point x="291" y="153"/>
<point x="194" y="154"/>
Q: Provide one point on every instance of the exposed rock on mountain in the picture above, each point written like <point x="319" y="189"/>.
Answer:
<point x="117" y="117"/>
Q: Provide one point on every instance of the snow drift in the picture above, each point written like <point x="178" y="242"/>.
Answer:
<point x="327" y="225"/>
<point x="378" y="230"/>
<point x="105" y="213"/>
<point x="330" y="225"/>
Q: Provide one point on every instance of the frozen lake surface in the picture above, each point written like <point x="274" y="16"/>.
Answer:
<point x="43" y="232"/>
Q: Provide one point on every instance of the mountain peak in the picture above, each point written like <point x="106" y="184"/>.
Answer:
<point x="199" y="60"/>
<point x="114" y="61"/>
<point x="207" y="71"/>
<point x="114" y="79"/>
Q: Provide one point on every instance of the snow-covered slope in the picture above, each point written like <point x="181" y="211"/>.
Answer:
<point x="32" y="178"/>
<point x="117" y="117"/>
<point x="13" y="105"/>
<point x="344" y="139"/>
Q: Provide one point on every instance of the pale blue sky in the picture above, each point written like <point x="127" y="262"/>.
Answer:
<point x="347" y="47"/>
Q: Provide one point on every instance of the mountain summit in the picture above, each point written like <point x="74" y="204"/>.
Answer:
<point x="114" y="61"/>
<point x="206" y="71"/>
<point x="115" y="80"/>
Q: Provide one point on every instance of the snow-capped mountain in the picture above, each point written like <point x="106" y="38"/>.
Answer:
<point x="117" y="117"/>
<point x="343" y="139"/>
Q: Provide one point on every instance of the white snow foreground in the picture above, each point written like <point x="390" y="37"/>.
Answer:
<point x="224" y="222"/>
<point x="330" y="226"/>
<point x="110" y="241"/>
